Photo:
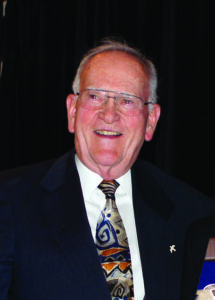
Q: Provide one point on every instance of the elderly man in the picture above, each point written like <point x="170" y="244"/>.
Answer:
<point x="97" y="224"/>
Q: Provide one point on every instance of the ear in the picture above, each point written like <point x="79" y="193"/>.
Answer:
<point x="153" y="117"/>
<point x="71" y="111"/>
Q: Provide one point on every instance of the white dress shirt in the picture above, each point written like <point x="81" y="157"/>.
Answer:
<point x="95" y="201"/>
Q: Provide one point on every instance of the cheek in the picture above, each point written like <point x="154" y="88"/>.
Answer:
<point x="137" y="127"/>
<point x="138" y="131"/>
<point x="82" y="119"/>
<point x="83" y="126"/>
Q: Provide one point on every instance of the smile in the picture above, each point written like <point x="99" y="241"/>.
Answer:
<point x="107" y="133"/>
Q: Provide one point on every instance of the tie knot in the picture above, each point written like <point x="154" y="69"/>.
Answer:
<point x="108" y="187"/>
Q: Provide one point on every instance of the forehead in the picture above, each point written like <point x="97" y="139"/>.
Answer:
<point x="114" y="70"/>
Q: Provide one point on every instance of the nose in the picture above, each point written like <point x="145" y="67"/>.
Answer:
<point x="109" y="110"/>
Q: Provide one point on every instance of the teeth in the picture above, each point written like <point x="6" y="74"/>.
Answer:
<point x="105" y="132"/>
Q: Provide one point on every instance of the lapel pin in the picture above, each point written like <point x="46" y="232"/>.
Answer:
<point x="172" y="248"/>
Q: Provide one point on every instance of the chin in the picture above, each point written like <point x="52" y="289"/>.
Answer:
<point x="107" y="159"/>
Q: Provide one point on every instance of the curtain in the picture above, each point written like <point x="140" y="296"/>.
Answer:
<point x="42" y="43"/>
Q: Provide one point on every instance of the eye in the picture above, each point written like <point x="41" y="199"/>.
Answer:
<point x="126" y="101"/>
<point x="95" y="97"/>
<point x="92" y="96"/>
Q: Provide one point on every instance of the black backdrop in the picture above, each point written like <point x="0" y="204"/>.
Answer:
<point x="42" y="43"/>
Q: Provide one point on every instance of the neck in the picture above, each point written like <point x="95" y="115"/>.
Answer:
<point x="105" y="172"/>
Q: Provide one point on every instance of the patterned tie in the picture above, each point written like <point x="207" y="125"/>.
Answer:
<point x="112" y="246"/>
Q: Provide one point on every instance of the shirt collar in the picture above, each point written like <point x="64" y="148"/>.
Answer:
<point x="90" y="180"/>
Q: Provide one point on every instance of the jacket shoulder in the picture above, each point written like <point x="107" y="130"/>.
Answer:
<point x="169" y="183"/>
<point x="25" y="174"/>
<point x="183" y="196"/>
<point x="23" y="178"/>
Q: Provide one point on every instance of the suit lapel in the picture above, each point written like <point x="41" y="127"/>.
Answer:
<point x="153" y="212"/>
<point x="66" y="214"/>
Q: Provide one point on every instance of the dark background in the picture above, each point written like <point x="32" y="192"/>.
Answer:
<point x="42" y="43"/>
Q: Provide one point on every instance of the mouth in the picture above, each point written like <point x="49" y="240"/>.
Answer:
<point x="108" y="133"/>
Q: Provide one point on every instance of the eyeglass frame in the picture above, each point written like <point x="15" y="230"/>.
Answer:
<point x="115" y="96"/>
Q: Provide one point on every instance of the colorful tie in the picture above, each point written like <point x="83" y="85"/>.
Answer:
<point x="112" y="246"/>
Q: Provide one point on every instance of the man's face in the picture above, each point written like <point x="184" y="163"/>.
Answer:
<point x="107" y="141"/>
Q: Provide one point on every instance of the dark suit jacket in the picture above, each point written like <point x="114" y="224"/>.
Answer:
<point x="46" y="247"/>
<point x="197" y="238"/>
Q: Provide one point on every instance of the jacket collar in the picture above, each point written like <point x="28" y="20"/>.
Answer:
<point x="59" y="172"/>
<point x="156" y="233"/>
<point x="146" y="187"/>
<point x="65" y="211"/>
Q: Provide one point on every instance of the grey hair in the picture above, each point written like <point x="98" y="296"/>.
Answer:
<point x="108" y="45"/>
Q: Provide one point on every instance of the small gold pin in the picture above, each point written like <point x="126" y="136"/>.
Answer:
<point x="172" y="248"/>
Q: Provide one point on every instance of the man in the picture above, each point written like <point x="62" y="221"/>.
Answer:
<point x="51" y="214"/>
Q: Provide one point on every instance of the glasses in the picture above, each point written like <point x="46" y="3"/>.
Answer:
<point x="128" y="104"/>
